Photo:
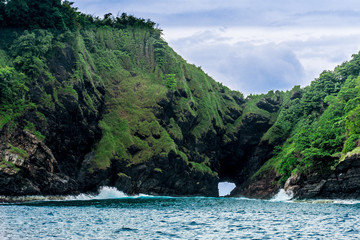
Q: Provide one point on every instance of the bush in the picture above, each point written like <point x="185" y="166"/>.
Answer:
<point x="170" y="81"/>
<point x="351" y="143"/>
<point x="12" y="88"/>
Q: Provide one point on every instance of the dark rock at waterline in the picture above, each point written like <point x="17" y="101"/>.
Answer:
<point x="32" y="170"/>
<point x="263" y="187"/>
<point x="31" y="166"/>
<point x="162" y="175"/>
<point x="341" y="183"/>
<point x="243" y="156"/>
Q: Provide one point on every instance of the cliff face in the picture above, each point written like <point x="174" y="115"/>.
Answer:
<point x="44" y="146"/>
<point x="29" y="167"/>
<point x="112" y="107"/>
<point x="341" y="183"/>
<point x="118" y="107"/>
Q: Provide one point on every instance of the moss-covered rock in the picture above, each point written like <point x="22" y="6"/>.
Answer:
<point x="112" y="104"/>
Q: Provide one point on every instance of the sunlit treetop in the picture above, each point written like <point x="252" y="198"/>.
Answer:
<point x="60" y="15"/>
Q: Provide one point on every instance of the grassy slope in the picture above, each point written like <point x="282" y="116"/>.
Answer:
<point x="135" y="81"/>
<point x="133" y="65"/>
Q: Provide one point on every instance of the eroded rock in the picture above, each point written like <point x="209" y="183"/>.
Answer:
<point x="341" y="183"/>
<point x="32" y="171"/>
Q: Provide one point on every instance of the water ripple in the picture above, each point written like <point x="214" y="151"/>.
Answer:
<point x="179" y="218"/>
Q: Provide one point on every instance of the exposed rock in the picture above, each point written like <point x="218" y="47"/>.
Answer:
<point x="269" y="105"/>
<point x="36" y="172"/>
<point x="204" y="120"/>
<point x="292" y="184"/>
<point x="162" y="175"/>
<point x="243" y="156"/>
<point x="263" y="187"/>
<point x="341" y="183"/>
<point x="63" y="62"/>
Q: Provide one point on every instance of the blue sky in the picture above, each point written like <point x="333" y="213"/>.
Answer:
<point x="251" y="45"/>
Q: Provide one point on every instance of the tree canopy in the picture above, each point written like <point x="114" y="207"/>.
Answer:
<point x="59" y="15"/>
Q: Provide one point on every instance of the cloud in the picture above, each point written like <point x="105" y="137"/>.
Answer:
<point x="232" y="12"/>
<point x="243" y="66"/>
<point x="258" y="69"/>
<point x="326" y="51"/>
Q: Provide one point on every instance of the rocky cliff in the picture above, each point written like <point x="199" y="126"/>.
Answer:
<point x="116" y="106"/>
<point x="341" y="183"/>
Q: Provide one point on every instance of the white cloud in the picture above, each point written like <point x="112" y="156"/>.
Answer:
<point x="254" y="60"/>
<point x="243" y="66"/>
<point x="232" y="12"/>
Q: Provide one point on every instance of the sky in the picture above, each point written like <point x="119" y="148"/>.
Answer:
<point x="252" y="46"/>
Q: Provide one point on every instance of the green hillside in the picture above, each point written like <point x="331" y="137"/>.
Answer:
<point x="87" y="102"/>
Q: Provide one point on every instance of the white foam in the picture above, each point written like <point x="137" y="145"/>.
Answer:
<point x="282" y="196"/>
<point x="339" y="201"/>
<point x="104" y="193"/>
<point x="330" y="201"/>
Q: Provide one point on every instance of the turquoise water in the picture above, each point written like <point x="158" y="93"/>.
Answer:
<point x="179" y="218"/>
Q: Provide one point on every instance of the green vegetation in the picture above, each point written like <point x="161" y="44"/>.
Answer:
<point x="120" y="174"/>
<point x="135" y="82"/>
<point x="202" y="167"/>
<point x="151" y="102"/>
<point x="170" y="81"/>
<point x="7" y="164"/>
<point x="319" y="125"/>
<point x="158" y="170"/>
<point x="60" y="15"/>
<point x="121" y="59"/>
<point x="31" y="128"/>
<point x="12" y="94"/>
<point x="22" y="153"/>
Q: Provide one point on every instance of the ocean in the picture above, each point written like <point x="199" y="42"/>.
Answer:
<point x="113" y="215"/>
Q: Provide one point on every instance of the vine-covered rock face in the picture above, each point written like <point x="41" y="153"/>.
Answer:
<point x="110" y="110"/>
<point x="110" y="103"/>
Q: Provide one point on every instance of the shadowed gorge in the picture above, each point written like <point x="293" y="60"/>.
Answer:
<point x="106" y="102"/>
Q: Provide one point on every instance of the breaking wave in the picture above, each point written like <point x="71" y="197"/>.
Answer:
<point x="282" y="196"/>
<point x="104" y="193"/>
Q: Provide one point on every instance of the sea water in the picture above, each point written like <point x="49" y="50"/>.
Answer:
<point x="113" y="215"/>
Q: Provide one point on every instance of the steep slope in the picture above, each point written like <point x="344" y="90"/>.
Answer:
<point x="91" y="102"/>
<point x="160" y="115"/>
<point x="111" y="107"/>
<point x="317" y="138"/>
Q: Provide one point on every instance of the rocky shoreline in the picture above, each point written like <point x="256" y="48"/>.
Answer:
<point x="22" y="181"/>
<point x="341" y="183"/>
<point x="145" y="125"/>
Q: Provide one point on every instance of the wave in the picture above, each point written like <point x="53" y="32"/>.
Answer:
<point x="105" y="192"/>
<point x="282" y="196"/>
<point x="330" y="201"/>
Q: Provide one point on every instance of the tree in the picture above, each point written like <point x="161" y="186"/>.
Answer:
<point x="171" y="81"/>
<point x="17" y="13"/>
<point x="12" y="87"/>
<point x="46" y="14"/>
<point x="35" y="43"/>
<point x="2" y="13"/>
<point x="71" y="17"/>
